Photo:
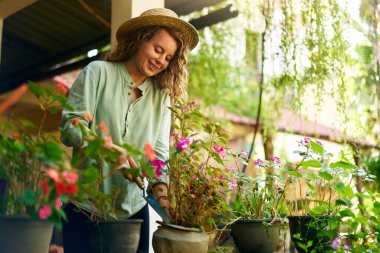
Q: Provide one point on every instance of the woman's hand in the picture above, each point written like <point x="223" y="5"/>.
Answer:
<point x="125" y="159"/>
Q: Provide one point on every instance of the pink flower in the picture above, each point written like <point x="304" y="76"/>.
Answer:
<point x="244" y="154"/>
<point x="74" y="122"/>
<point x="220" y="151"/>
<point x="53" y="174"/>
<point x="88" y="116"/>
<point x="58" y="203"/>
<point x="158" y="164"/>
<point x="149" y="152"/>
<point x="103" y="127"/>
<point x="275" y="159"/>
<point x="192" y="105"/>
<point x="258" y="162"/>
<point x="175" y="134"/>
<point x="183" y="144"/>
<point x="185" y="166"/>
<point x="44" y="212"/>
<point x="194" y="177"/>
<point x="70" y="176"/>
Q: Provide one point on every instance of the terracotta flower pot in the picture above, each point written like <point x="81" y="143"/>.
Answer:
<point x="169" y="238"/>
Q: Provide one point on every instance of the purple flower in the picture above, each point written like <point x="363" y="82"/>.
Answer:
<point x="220" y="151"/>
<point x="258" y="162"/>
<point x="319" y="143"/>
<point x="346" y="248"/>
<point x="335" y="243"/>
<point x="158" y="164"/>
<point x="182" y="144"/>
<point x="306" y="140"/>
<point x="232" y="184"/>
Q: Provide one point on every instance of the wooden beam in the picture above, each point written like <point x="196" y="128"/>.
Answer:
<point x="214" y="17"/>
<point x="8" y="7"/>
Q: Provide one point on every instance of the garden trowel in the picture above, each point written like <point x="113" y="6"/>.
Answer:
<point x="156" y="206"/>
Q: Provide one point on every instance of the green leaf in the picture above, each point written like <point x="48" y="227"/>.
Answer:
<point x="343" y="164"/>
<point x="327" y="176"/>
<point x="316" y="147"/>
<point x="90" y="175"/>
<point x="28" y="197"/>
<point x="311" y="163"/>
<point x="318" y="210"/>
<point x="294" y="173"/>
<point x="343" y="202"/>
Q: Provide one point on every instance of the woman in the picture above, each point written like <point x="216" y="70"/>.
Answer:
<point x="130" y="92"/>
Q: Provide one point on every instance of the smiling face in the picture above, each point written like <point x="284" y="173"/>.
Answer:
<point x="152" y="57"/>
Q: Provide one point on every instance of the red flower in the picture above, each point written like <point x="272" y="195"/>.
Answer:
<point x="149" y="152"/>
<point x="62" y="87"/>
<point x="70" y="176"/>
<point x="71" y="189"/>
<point x="53" y="174"/>
<point x="74" y="122"/>
<point x="103" y="127"/>
<point x="88" y="116"/>
<point x="45" y="187"/>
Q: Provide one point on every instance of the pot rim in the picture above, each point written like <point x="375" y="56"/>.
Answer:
<point x="258" y="220"/>
<point x="193" y="229"/>
<point x="115" y="221"/>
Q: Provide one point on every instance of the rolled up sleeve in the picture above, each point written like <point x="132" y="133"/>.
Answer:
<point x="82" y="97"/>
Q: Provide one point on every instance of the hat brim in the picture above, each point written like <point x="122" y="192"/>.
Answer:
<point x="190" y="34"/>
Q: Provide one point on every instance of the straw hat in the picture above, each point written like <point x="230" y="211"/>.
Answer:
<point x="161" y="17"/>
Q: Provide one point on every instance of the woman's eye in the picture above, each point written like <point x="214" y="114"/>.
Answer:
<point x="158" y="50"/>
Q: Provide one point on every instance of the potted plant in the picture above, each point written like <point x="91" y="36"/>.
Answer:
<point x="109" y="230"/>
<point x="258" y="208"/>
<point x="36" y="178"/>
<point x="315" y="222"/>
<point x="199" y="181"/>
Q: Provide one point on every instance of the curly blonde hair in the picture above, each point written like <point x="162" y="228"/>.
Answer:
<point x="175" y="77"/>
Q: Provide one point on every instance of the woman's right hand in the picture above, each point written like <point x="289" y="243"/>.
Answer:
<point x="125" y="159"/>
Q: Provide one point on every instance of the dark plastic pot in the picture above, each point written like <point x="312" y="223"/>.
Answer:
<point x="255" y="236"/>
<point x="22" y="234"/>
<point x="115" y="236"/>
<point x="315" y="229"/>
<point x="3" y="196"/>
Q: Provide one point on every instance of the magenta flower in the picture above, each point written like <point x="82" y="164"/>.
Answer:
<point x="44" y="212"/>
<point x="258" y="162"/>
<point x="185" y="166"/>
<point x="158" y="173"/>
<point x="183" y="144"/>
<point x="220" y="151"/>
<point x="158" y="164"/>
